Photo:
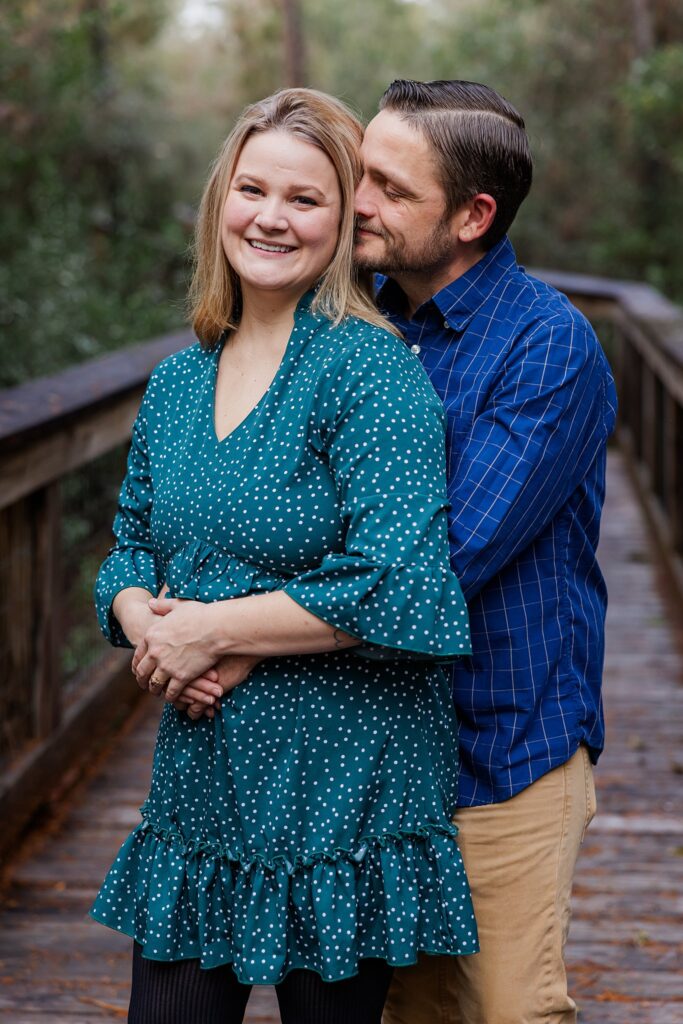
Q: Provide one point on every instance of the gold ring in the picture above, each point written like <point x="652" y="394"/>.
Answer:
<point x="156" y="682"/>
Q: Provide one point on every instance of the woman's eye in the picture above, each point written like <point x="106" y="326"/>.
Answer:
<point x="305" y="200"/>
<point x="251" y="190"/>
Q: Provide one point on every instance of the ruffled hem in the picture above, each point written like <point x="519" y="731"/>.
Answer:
<point x="392" y="897"/>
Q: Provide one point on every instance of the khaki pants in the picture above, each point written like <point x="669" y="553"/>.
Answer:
<point x="520" y="857"/>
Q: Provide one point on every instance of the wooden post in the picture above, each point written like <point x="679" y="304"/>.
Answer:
<point x="618" y="361"/>
<point x="30" y="537"/>
<point x="673" y="469"/>
<point x="16" y="626"/>
<point x="634" y="409"/>
<point x="47" y="613"/>
<point x="658" y="440"/>
<point x="648" y="445"/>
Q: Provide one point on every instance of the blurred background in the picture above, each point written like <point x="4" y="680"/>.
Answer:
<point x="112" y="110"/>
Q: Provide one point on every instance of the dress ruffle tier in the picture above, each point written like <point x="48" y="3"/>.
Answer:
<point x="391" y="897"/>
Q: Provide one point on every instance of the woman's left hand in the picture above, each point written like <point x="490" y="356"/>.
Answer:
<point x="177" y="646"/>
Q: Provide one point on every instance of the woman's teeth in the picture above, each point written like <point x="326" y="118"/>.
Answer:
<point x="267" y="247"/>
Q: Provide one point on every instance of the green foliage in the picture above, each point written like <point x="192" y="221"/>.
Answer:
<point x="91" y="252"/>
<point x="604" y="112"/>
<point x="652" y="99"/>
<point x="604" y="115"/>
<point x="111" y="111"/>
<point x="356" y="48"/>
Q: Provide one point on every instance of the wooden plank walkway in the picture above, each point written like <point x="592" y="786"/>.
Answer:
<point x="626" y="945"/>
<point x="626" y="940"/>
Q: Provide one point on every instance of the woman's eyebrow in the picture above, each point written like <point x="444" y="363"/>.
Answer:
<point x="244" y="175"/>
<point x="308" y="188"/>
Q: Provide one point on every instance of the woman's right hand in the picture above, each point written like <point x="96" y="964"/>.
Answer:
<point x="131" y="608"/>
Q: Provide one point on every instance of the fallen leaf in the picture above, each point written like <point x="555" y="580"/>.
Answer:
<point x="118" y="1011"/>
<point x="615" y="997"/>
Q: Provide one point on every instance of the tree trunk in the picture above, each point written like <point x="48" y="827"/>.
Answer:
<point x="643" y="26"/>
<point x="295" y="60"/>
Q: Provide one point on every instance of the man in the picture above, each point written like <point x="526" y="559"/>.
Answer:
<point x="530" y="403"/>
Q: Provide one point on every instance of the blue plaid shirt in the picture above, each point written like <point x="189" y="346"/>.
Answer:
<point x="530" y="403"/>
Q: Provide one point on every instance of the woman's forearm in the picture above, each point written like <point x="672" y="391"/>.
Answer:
<point x="189" y="637"/>
<point x="267" y="625"/>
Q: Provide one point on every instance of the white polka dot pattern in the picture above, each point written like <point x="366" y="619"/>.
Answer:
<point x="308" y="824"/>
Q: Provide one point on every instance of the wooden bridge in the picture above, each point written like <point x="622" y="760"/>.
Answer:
<point x="76" y="741"/>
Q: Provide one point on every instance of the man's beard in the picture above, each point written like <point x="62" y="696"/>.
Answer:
<point x="427" y="257"/>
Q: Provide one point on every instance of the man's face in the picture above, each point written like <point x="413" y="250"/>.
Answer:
<point x="400" y="202"/>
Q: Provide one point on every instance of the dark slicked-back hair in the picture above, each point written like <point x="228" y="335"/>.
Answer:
<point x="479" y="141"/>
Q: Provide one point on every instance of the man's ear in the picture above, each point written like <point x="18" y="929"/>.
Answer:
<point x="475" y="217"/>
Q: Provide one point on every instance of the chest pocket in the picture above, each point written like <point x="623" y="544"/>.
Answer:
<point x="458" y="428"/>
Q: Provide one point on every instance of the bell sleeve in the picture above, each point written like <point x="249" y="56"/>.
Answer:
<point x="131" y="562"/>
<point x="382" y="431"/>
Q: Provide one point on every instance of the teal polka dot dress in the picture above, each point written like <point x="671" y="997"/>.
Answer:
<point x="308" y="824"/>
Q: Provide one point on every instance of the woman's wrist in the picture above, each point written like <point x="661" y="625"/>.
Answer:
<point x="131" y="609"/>
<point x="219" y="633"/>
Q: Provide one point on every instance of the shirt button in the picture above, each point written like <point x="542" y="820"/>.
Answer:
<point x="415" y="349"/>
<point x="447" y="325"/>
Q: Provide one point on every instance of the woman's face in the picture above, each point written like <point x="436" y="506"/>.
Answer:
<point x="281" y="217"/>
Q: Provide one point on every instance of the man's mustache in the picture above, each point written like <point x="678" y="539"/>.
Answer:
<point x="364" y="225"/>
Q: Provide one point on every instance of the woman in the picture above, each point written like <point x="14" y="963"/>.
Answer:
<point x="286" y="485"/>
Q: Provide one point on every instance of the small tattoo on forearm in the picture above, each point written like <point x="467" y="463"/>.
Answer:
<point x="340" y="639"/>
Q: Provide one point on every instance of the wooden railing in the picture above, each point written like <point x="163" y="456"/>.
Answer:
<point x="52" y="427"/>
<point x="642" y="333"/>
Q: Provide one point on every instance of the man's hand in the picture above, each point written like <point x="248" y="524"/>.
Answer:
<point x="200" y="696"/>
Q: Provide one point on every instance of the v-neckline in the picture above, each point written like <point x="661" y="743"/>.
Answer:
<point x="302" y="308"/>
<point x="254" y="409"/>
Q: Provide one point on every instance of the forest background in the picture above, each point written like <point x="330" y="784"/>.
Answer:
<point x="112" y="110"/>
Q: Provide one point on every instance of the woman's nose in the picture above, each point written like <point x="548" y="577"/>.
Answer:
<point x="272" y="217"/>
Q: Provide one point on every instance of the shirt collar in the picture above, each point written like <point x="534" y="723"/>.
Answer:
<point x="458" y="301"/>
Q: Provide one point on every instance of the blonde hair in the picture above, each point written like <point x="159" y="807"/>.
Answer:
<point x="325" y="122"/>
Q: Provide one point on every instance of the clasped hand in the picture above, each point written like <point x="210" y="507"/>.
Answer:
<point x="177" y="649"/>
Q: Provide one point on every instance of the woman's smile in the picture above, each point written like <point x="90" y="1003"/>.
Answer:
<point x="270" y="247"/>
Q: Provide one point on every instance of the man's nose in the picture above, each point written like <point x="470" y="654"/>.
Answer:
<point x="363" y="204"/>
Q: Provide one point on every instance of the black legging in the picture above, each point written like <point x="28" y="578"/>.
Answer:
<point x="180" y="992"/>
